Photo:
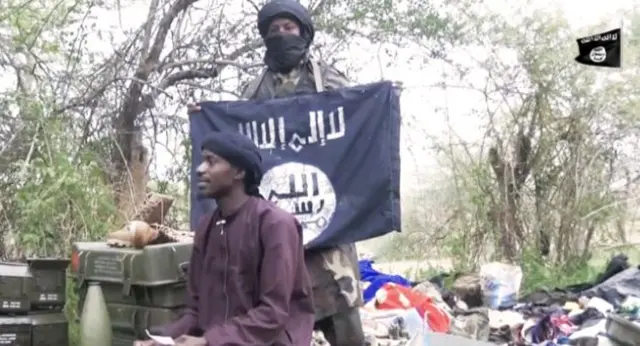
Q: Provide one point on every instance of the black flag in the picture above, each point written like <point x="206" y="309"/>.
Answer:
<point x="331" y="159"/>
<point x="602" y="49"/>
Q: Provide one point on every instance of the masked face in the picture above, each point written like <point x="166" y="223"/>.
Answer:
<point x="285" y="45"/>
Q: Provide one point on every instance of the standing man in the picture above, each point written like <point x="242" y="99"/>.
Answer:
<point x="247" y="283"/>
<point x="287" y="30"/>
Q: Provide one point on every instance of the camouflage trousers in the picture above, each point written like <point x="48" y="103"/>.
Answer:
<point x="335" y="278"/>
<point x="343" y="328"/>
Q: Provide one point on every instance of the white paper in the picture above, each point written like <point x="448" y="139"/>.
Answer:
<point x="162" y="340"/>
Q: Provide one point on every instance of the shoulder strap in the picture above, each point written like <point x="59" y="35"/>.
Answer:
<point x="254" y="85"/>
<point x="317" y="76"/>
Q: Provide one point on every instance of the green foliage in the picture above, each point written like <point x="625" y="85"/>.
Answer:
<point x="540" y="274"/>
<point x="53" y="192"/>
<point x="35" y="26"/>
<point x="60" y="196"/>
<point x="575" y="119"/>
<point x="71" y="311"/>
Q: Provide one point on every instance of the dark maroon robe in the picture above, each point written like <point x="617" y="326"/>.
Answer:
<point x="247" y="281"/>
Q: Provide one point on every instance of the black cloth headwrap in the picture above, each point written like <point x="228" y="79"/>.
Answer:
<point x="240" y="152"/>
<point x="289" y="9"/>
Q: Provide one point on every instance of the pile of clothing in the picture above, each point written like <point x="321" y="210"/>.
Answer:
<point x="605" y="312"/>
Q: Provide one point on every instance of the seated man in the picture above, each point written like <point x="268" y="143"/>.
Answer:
<point x="247" y="282"/>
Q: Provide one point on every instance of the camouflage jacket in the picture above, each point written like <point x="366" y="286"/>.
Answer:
<point x="334" y="272"/>
<point x="301" y="80"/>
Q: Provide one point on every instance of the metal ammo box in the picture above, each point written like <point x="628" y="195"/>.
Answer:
<point x="49" y="283"/>
<point x="142" y="288"/>
<point x="38" y="284"/>
<point x="15" y="288"/>
<point x="47" y="329"/>
<point x="129" y="322"/>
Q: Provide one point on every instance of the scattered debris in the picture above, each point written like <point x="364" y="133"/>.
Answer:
<point x="485" y="309"/>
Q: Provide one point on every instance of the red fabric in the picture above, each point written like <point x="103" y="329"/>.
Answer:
<point x="392" y="296"/>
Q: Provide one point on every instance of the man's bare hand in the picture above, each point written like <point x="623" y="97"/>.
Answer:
<point x="193" y="108"/>
<point x="187" y="340"/>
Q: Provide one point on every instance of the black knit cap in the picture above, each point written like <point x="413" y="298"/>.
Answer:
<point x="240" y="152"/>
<point x="287" y="9"/>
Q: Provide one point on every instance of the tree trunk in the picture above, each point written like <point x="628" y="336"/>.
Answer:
<point x="131" y="187"/>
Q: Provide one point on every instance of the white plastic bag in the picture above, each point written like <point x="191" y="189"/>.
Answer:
<point x="417" y="328"/>
<point x="501" y="284"/>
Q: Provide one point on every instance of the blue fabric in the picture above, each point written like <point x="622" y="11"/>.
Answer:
<point x="331" y="158"/>
<point x="377" y="279"/>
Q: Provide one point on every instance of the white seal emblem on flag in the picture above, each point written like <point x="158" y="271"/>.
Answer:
<point x="598" y="54"/>
<point x="303" y="190"/>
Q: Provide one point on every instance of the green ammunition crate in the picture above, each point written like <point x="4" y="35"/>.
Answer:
<point x="122" y="338"/>
<point x="45" y="329"/>
<point x="168" y="296"/>
<point x="135" y="320"/>
<point x="15" y="288"/>
<point x="155" y="265"/>
<point x="49" y="283"/>
<point x="152" y="277"/>
<point x="38" y="284"/>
